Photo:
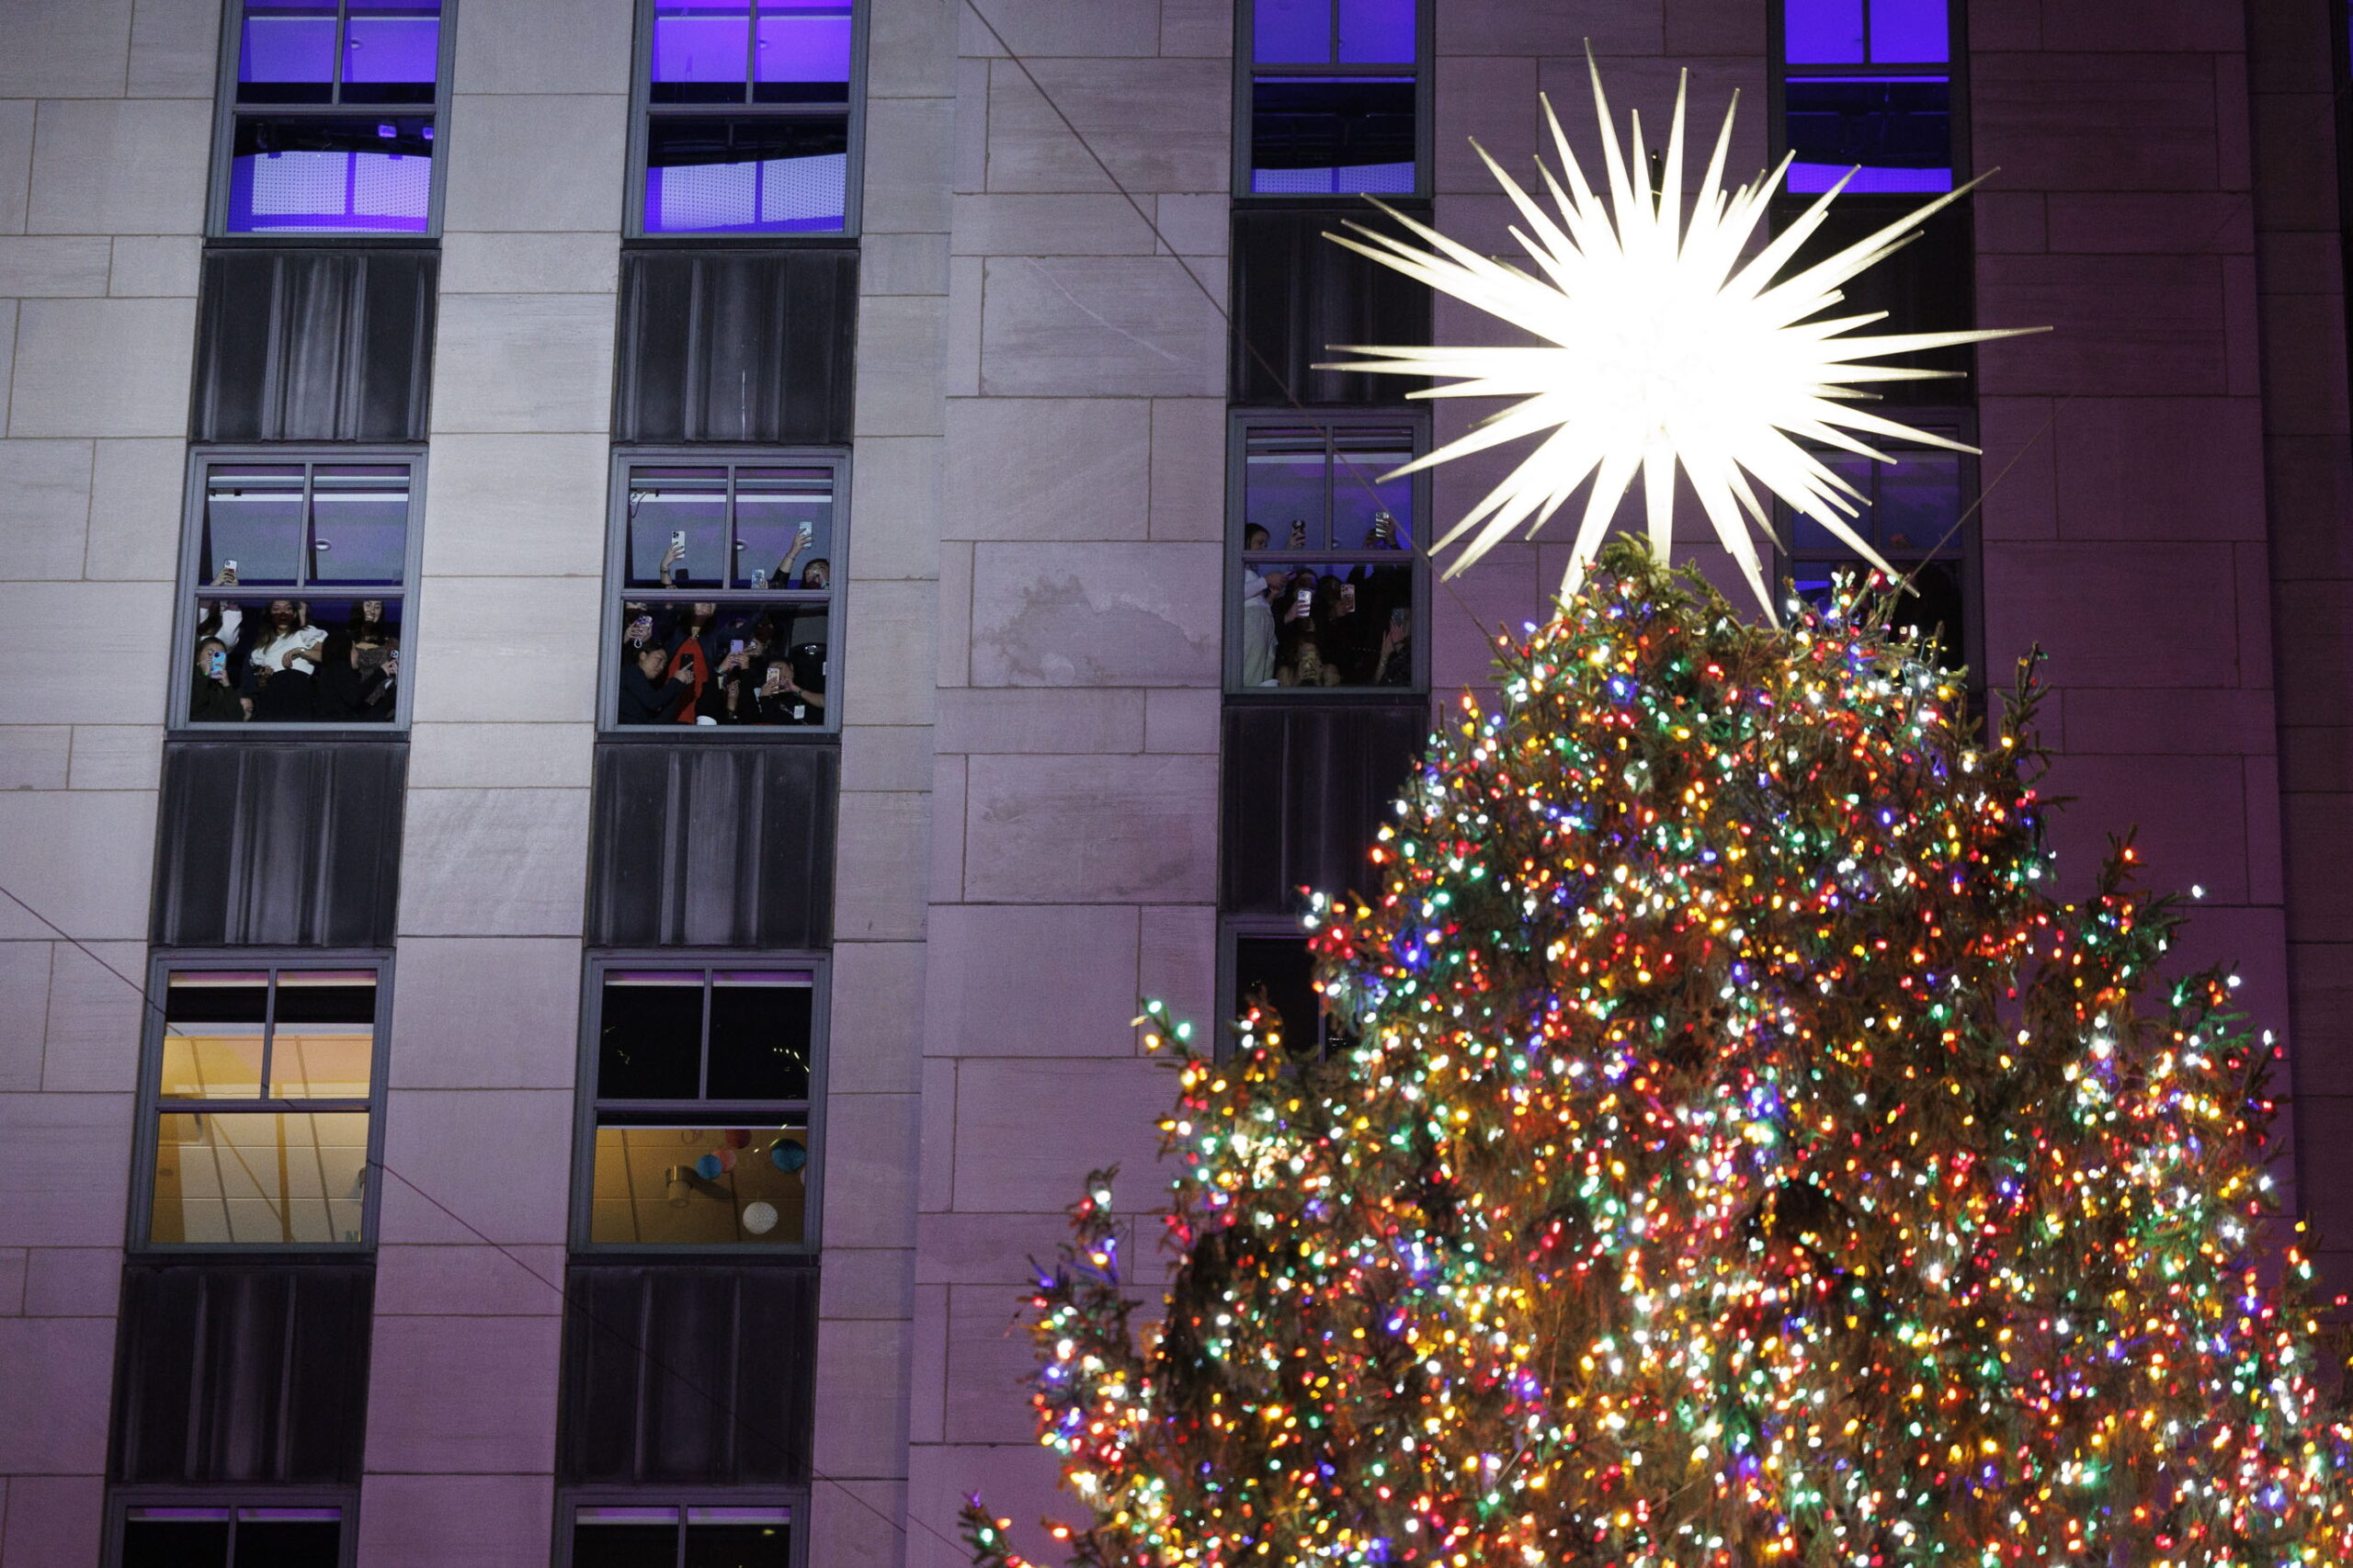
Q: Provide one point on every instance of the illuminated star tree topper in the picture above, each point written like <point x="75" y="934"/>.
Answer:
<point x="1662" y="346"/>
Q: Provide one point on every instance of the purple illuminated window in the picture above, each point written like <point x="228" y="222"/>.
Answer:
<point x="327" y="51"/>
<point x="784" y="170"/>
<point x="1860" y="32"/>
<point x="731" y="51"/>
<point x="334" y="122"/>
<point x="291" y="176"/>
<point x="1330" y="113"/>
<point x="1894" y="132"/>
<point x="1332" y="32"/>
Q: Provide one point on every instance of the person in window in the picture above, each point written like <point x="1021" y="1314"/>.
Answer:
<point x="818" y="574"/>
<point x="1395" y="665"/>
<point x="742" y="670"/>
<point x="802" y="537"/>
<point x="695" y="652"/>
<point x="646" y="697"/>
<point x="343" y="692"/>
<point x="1258" y="615"/>
<point x="372" y="637"/>
<point x="286" y="639"/>
<point x="213" y="699"/>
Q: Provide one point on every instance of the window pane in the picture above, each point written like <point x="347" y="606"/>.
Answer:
<point x="1377" y="32"/>
<point x="1823" y="33"/>
<point x="295" y="659"/>
<point x="677" y="518"/>
<point x="1285" y="475"/>
<point x="1909" y="31"/>
<point x="288" y="1537"/>
<point x="1897" y="129"/>
<point x="1368" y="513"/>
<point x="293" y="177"/>
<point x="701" y="51"/>
<point x="769" y="176"/>
<point x="649" y="1040"/>
<point x="739" y="1538"/>
<point x="259" y="1178"/>
<point x="286" y="52"/>
<point x="699" y="1186"/>
<point x="784" y="527"/>
<point x="760" y="1029"/>
<point x="324" y="1045"/>
<point x="625" y="1538"/>
<point x="1334" y="624"/>
<point x="176" y="1538"/>
<point x="1276" y="977"/>
<point x="1332" y="135"/>
<point x="1810" y="536"/>
<point x="253" y="524"/>
<point x="392" y="51"/>
<point x="1292" y="32"/>
<point x="1919" y="505"/>
<point x="212" y="1034"/>
<point x="359" y="523"/>
<point x="760" y="662"/>
<point x="802" y="52"/>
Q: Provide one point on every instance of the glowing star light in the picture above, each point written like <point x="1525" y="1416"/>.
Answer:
<point x="1661" y="345"/>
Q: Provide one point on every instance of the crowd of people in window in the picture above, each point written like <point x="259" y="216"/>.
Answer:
<point x="1309" y="625"/>
<point x="273" y="662"/>
<point x="699" y="662"/>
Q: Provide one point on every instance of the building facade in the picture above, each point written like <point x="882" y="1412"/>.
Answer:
<point x="691" y="598"/>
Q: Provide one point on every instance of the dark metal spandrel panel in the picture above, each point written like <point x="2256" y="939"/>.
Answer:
<point x="242" y="1372"/>
<point x="1296" y="295"/>
<point x="713" y="845"/>
<point x="292" y="845"/>
<point x="1306" y="788"/>
<point x="735" y="345"/>
<point x="690" y="1373"/>
<point x="314" y="345"/>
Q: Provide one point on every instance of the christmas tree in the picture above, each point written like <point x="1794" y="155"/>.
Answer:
<point x="1746" y="1158"/>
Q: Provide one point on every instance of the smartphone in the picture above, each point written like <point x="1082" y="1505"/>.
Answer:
<point x="1398" y="620"/>
<point x="760" y="577"/>
<point x="216" y="663"/>
<point x="807" y="530"/>
<point x="1348" y="598"/>
<point x="678" y="539"/>
<point x="1299" y="533"/>
<point x="736" y="645"/>
<point x="1302" y="605"/>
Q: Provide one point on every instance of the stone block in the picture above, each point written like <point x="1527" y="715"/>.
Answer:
<point x="2018" y="481"/>
<point x="960" y="350"/>
<point x="1177" y="961"/>
<point x="1181" y="718"/>
<point x="53" y="1520"/>
<point x="908" y="142"/>
<point x="1029" y="1131"/>
<point x="1713" y="26"/>
<point x="492" y="649"/>
<point x="861" y="1398"/>
<point x="522" y="505"/>
<point x="475" y="1014"/>
<point x="2094" y="121"/>
<point x="899" y="500"/>
<point x="901" y="343"/>
<point x="154" y="266"/>
<point x="466" y="1167"/>
<point x="869" y="1179"/>
<point x="2010" y="221"/>
<point x="936" y="1177"/>
<point x="97" y="1014"/>
<point x="24" y="1012"/>
<point x="1000" y="720"/>
<point x="886" y="757"/>
<point x="2150" y="222"/>
<point x="493" y="862"/>
<point x="469" y="1281"/>
<point x="2310" y="479"/>
<point x="1031" y="980"/>
<point x="499" y="756"/>
<point x="1189" y="450"/>
<point x="861" y="1521"/>
<point x="2034" y="594"/>
<point x="1203" y="27"/>
<point x="1072" y="830"/>
<point x="1095" y="615"/>
<point x="955" y="614"/>
<point x="37" y="267"/>
<point x="136" y="618"/>
<point x="80" y="858"/>
<point x="1067" y="223"/>
<point x="64" y="50"/>
<point x="1493" y="101"/>
<point x="2116" y="320"/>
<point x="2316" y="759"/>
<point x="1048" y="28"/>
<point x="523" y="362"/>
<point x="2303" y="374"/>
<point x="492" y="263"/>
<point x="1099" y="326"/>
<point x="1646" y="82"/>
<point x="2171" y="721"/>
<point x="911" y="49"/>
<point x="2152" y="25"/>
<point x="2318" y="855"/>
<point x="1048" y="468"/>
<point x="117" y="757"/>
<point x="174" y="49"/>
<point x="903" y="263"/>
<point x="948" y="796"/>
<point x="64" y="1161"/>
<point x="464" y="1394"/>
<point x="44" y="507"/>
<point x="2188" y="814"/>
<point x="456" y="1521"/>
<point x="868" y="1284"/>
<point x="1015" y="1480"/>
<point x="34" y="756"/>
<point x="874" y="1040"/>
<point x="1163" y="124"/>
<point x="1193" y="225"/>
<point x="2315" y="638"/>
<point x="102" y="367"/>
<point x="73" y="1282"/>
<point x="961" y="1248"/>
<point x="15" y="162"/>
<point x="135" y="489"/>
<point x="508" y="46"/>
<point x="989" y="1356"/>
<point x="2295" y="165"/>
<point x="543" y="162"/>
<point x="1503" y="27"/>
<point x="884" y="671"/>
<point x="882" y="866"/>
<point x="2159" y="467"/>
<point x="121" y="166"/>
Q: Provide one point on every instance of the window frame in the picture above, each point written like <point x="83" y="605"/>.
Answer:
<point x="587" y="1102"/>
<point x="1954" y="67"/>
<point x="1955" y="423"/>
<point x="1233" y="930"/>
<point x="1240" y="422"/>
<point x="121" y="1500"/>
<point x="617" y="592"/>
<point x="1246" y="74"/>
<point x="641" y="110"/>
<point x="569" y="1500"/>
<point x="150" y="1099"/>
<point x="176" y="722"/>
<point x="225" y="115"/>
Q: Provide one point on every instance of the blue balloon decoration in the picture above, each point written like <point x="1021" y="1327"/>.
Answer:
<point x="787" y="1156"/>
<point x="707" y="1168"/>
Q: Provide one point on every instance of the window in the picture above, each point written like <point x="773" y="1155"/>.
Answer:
<point x="698" y="1133"/>
<point x="1868" y="86"/>
<point x="1914" y="512"/>
<point x="1269" y="977"/>
<point x="1326" y="556"/>
<point x="722" y="594"/>
<point x="635" y="1536"/>
<point x="1334" y="99"/>
<point x="196" y="1536"/>
<point x="297" y="586"/>
<point x="261" y="1089"/>
<point x="748" y="124"/>
<point x="330" y="127"/>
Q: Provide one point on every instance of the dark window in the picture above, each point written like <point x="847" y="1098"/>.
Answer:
<point x="641" y="1535"/>
<point x="722" y="609"/>
<point x="1271" y="992"/>
<point x="1868" y="90"/>
<point x="166" y="1536"/>
<point x="748" y="117"/>
<point x="298" y="575"/>
<point x="1327" y="557"/>
<point x="331" y="126"/>
<point x="1334" y="98"/>
<point x="699" y="1133"/>
<point x="260" y="1091"/>
<point x="1914" y="512"/>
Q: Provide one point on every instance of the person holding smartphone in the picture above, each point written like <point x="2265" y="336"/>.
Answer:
<point x="213" y="699"/>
